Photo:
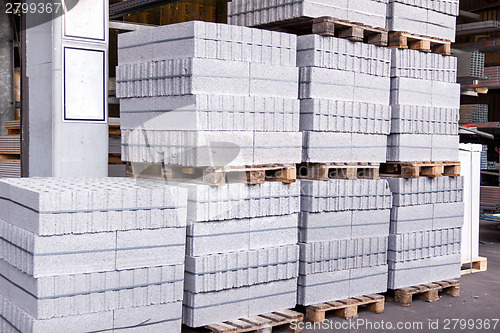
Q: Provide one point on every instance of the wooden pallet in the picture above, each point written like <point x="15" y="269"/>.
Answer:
<point x="479" y="264"/>
<point x="216" y="176"/>
<point x="325" y="171"/>
<point x="263" y="323"/>
<point x="13" y="127"/>
<point x="420" y="169"/>
<point x="10" y="157"/>
<point x="405" y="40"/>
<point x="332" y="27"/>
<point x="347" y="308"/>
<point x="115" y="159"/>
<point x="427" y="292"/>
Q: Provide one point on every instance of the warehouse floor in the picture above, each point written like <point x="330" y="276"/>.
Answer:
<point x="479" y="297"/>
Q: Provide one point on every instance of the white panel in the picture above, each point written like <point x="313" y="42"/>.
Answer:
<point x="86" y="20"/>
<point x="84" y="95"/>
<point x="470" y="161"/>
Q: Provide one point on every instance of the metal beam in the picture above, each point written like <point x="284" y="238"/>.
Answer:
<point x="126" y="26"/>
<point x="123" y="8"/>
<point x="469" y="15"/>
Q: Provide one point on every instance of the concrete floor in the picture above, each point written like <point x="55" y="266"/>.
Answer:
<point x="479" y="299"/>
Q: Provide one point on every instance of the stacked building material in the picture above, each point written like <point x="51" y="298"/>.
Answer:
<point x="484" y="157"/>
<point x="344" y="91"/>
<point x="259" y="12"/>
<point x="344" y="229"/>
<point x="493" y="77"/>
<point x="485" y="164"/>
<point x="435" y="18"/>
<point x="425" y="230"/>
<point x="10" y="144"/>
<point x="242" y="252"/>
<point x="10" y="169"/>
<point x="490" y="197"/>
<point x="470" y="65"/>
<point x="473" y="113"/>
<point x="204" y="94"/>
<point x="425" y="107"/>
<point x="92" y="255"/>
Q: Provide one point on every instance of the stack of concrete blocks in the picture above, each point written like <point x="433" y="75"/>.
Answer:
<point x="261" y="12"/>
<point x="242" y="253"/>
<point x="425" y="107"/>
<point x="344" y="230"/>
<point x="205" y="94"/>
<point x="432" y="18"/>
<point x="345" y="113"/>
<point x="426" y="224"/>
<point x="91" y="255"/>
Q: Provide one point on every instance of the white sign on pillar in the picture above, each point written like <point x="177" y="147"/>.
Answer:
<point x="76" y="137"/>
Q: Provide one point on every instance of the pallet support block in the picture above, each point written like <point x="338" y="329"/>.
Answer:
<point x="427" y="292"/>
<point x="347" y="308"/>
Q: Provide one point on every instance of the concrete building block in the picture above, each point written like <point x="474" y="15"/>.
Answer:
<point x="275" y="147"/>
<point x="409" y="147"/>
<point x="207" y="308"/>
<point x="144" y="248"/>
<point x="445" y="94"/>
<point x="323" y="287"/>
<point x="407" y="91"/>
<point x="445" y="147"/>
<point x="399" y="18"/>
<point x="241" y="234"/>
<point x="326" y="83"/>
<point x="368" y="148"/>
<point x="372" y="89"/>
<point x="441" y="25"/>
<point x="268" y="80"/>
<point x="445" y="267"/>
<point x="411" y="218"/>
<point x="368" y="280"/>
<point x="327" y="147"/>
<point x="370" y="223"/>
<point x="448" y="215"/>
<point x="161" y="317"/>
<point x="319" y="227"/>
<point x="409" y="273"/>
<point x="239" y="269"/>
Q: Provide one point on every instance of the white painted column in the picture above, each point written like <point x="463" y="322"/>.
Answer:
<point x="470" y="161"/>
<point x="67" y="73"/>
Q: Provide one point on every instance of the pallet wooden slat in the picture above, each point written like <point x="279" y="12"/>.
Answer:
<point x="216" y="176"/>
<point x="326" y="171"/>
<point x="420" y="169"/>
<point x="479" y="264"/>
<point x="261" y="323"/>
<point x="427" y="292"/>
<point x="332" y="27"/>
<point x="404" y="40"/>
<point x="347" y="308"/>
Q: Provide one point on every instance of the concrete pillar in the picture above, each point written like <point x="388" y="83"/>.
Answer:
<point x="6" y="71"/>
<point x="67" y="78"/>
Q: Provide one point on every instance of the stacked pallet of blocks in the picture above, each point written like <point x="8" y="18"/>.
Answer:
<point x="426" y="222"/>
<point x="345" y="95"/>
<point x="213" y="95"/>
<point x="344" y="229"/>
<point x="242" y="252"/>
<point x="425" y="107"/>
<point x="433" y="18"/>
<point x="91" y="255"/>
<point x="261" y="12"/>
<point x="202" y="94"/>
